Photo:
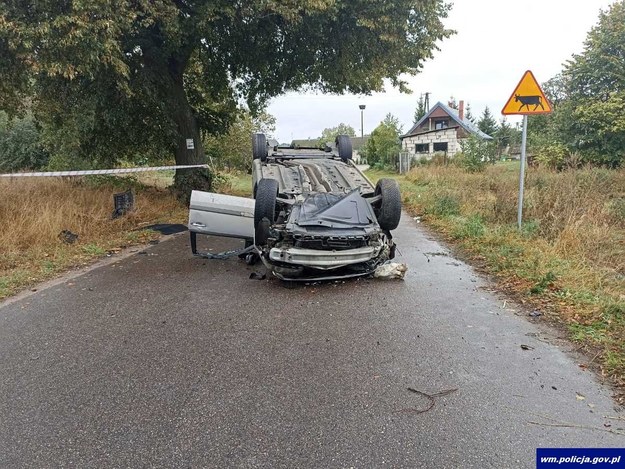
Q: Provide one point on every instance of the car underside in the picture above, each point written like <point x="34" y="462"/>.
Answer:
<point x="317" y="216"/>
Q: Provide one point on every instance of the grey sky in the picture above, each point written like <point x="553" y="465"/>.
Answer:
<point x="496" y="41"/>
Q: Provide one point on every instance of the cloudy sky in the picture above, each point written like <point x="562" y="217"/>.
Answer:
<point x="496" y="41"/>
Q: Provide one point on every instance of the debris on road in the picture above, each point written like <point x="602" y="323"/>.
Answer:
<point x="535" y="313"/>
<point x="431" y="398"/>
<point x="434" y="254"/>
<point x="391" y="270"/>
<point x="68" y="237"/>
<point x="526" y="347"/>
<point x="257" y="276"/>
<point x="558" y="423"/>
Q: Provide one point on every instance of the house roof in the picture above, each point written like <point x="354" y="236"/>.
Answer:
<point x="453" y="113"/>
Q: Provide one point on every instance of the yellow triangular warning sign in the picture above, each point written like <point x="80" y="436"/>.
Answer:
<point x="527" y="98"/>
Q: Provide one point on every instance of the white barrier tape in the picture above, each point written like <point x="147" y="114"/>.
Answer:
<point x="101" y="171"/>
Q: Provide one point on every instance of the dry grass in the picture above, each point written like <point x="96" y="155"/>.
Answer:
<point x="569" y="259"/>
<point x="34" y="211"/>
<point x="581" y="214"/>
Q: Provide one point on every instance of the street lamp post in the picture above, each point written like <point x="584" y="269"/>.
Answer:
<point x="362" y="125"/>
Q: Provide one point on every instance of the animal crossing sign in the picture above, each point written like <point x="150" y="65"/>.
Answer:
<point x="527" y="98"/>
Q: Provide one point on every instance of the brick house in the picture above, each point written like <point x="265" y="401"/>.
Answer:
<point x="440" y="130"/>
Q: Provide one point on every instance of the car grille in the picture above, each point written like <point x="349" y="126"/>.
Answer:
<point x="338" y="243"/>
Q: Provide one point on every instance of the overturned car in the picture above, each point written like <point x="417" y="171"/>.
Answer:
<point x="315" y="214"/>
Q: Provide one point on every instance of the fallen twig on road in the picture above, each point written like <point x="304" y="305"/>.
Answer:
<point x="430" y="397"/>
<point x="575" y="425"/>
<point x="595" y="357"/>
<point x="618" y="417"/>
<point x="558" y="423"/>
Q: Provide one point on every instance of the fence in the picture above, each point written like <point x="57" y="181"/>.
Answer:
<point x="405" y="162"/>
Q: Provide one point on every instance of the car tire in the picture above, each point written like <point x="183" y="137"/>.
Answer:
<point x="260" y="150"/>
<point x="265" y="206"/>
<point x="388" y="209"/>
<point x="344" y="147"/>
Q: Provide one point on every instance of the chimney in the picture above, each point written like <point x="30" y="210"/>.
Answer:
<point x="461" y="110"/>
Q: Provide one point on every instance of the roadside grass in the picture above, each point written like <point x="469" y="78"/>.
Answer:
<point x="568" y="261"/>
<point x="232" y="183"/>
<point x="33" y="212"/>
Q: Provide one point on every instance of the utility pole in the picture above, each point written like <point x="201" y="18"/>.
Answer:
<point x="427" y="101"/>
<point x="362" y="120"/>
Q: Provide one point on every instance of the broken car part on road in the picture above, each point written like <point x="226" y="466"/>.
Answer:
<point x="315" y="215"/>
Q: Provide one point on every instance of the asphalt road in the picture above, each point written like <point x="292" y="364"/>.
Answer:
<point x="164" y="360"/>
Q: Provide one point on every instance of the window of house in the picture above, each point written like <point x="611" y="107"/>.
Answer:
<point x="422" y="148"/>
<point x="440" y="146"/>
<point x="441" y="124"/>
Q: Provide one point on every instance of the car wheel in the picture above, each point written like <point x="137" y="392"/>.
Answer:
<point x="265" y="206"/>
<point x="259" y="147"/>
<point x="344" y="147"/>
<point x="388" y="209"/>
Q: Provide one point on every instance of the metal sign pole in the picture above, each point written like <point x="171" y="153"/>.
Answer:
<point x="522" y="175"/>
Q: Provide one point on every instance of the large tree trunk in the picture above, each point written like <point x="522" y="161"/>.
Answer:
<point x="187" y="180"/>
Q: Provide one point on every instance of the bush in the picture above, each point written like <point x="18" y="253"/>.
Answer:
<point x="383" y="145"/>
<point x="66" y="162"/>
<point x="552" y="155"/>
<point x="439" y="159"/>
<point x="476" y="154"/>
<point x="20" y="144"/>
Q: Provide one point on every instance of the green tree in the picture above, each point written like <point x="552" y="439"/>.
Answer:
<point x="20" y="144"/>
<point x="487" y="123"/>
<point x="232" y="149"/>
<point x="594" y="87"/>
<point x="329" y="134"/>
<point x="503" y="136"/>
<point x="383" y="145"/>
<point x="420" y="111"/>
<point x="118" y="78"/>
<point x="468" y="115"/>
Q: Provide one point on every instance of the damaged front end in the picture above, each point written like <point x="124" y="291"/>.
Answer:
<point x="324" y="236"/>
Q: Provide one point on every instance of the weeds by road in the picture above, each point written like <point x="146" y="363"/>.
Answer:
<point x="569" y="259"/>
<point x="33" y="213"/>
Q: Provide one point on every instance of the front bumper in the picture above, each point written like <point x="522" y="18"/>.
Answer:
<point x="324" y="260"/>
